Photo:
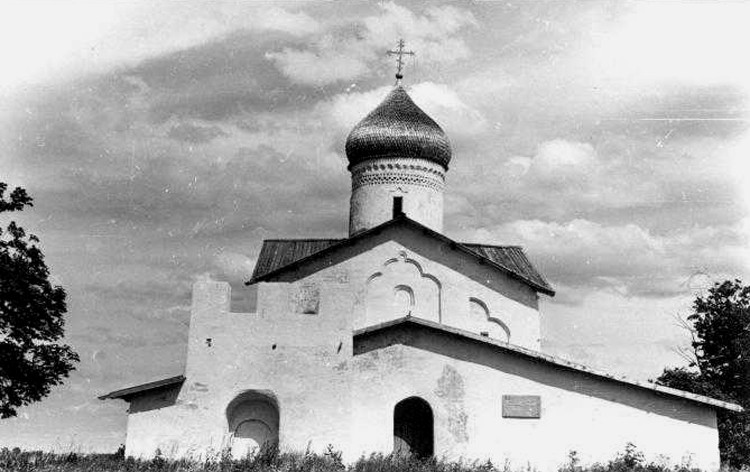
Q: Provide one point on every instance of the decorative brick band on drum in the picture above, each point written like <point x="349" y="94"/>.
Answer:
<point x="399" y="172"/>
<point x="396" y="178"/>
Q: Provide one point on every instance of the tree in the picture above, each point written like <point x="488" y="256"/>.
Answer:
<point x="31" y="316"/>
<point x="720" y="325"/>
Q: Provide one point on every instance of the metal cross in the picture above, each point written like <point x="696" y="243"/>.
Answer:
<point x="400" y="58"/>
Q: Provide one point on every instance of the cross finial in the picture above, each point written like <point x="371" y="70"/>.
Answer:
<point x="399" y="53"/>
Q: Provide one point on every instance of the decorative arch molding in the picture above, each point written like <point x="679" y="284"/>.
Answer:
<point x="492" y="325"/>
<point x="373" y="277"/>
<point x="404" y="298"/>
<point x="404" y="257"/>
<point x="401" y="282"/>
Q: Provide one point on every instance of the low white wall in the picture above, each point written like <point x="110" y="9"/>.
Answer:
<point x="596" y="418"/>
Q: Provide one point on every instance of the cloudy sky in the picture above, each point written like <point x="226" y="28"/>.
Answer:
<point x="162" y="141"/>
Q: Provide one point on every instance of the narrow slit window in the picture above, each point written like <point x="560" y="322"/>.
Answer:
<point x="398" y="206"/>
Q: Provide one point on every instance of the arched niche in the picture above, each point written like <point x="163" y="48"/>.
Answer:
<point x="253" y="422"/>
<point x="482" y="321"/>
<point x="403" y="300"/>
<point x="401" y="287"/>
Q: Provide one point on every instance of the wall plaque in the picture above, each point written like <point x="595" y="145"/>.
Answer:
<point x="522" y="406"/>
<point x="307" y="299"/>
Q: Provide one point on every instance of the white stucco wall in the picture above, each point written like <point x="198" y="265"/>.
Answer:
<point x="298" y="348"/>
<point x="594" y="417"/>
<point x="299" y="359"/>
<point x="375" y="182"/>
<point x="154" y="422"/>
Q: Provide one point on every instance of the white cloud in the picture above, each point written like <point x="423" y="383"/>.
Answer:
<point x="738" y="164"/>
<point x="435" y="24"/>
<point x="604" y="329"/>
<point x="346" y="110"/>
<point x="565" y="179"/>
<point x="318" y="67"/>
<point x="568" y="176"/>
<point x="590" y="246"/>
<point x="695" y="43"/>
<point x="234" y="266"/>
<point x="445" y="106"/>
<point x="491" y="85"/>
<point x="431" y="35"/>
<point x="84" y="36"/>
<point x="628" y="257"/>
<point x="559" y="159"/>
<point x="278" y="19"/>
<point x="333" y="58"/>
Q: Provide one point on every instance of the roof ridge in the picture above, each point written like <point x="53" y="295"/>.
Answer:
<point x="304" y="239"/>
<point x="493" y="245"/>
<point x="125" y="392"/>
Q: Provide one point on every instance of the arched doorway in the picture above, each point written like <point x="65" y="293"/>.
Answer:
<point x="253" y="419"/>
<point x="413" y="427"/>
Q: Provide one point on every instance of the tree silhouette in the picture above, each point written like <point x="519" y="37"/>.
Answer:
<point x="31" y="316"/>
<point x="720" y="325"/>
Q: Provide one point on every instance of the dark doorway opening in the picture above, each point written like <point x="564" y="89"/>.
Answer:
<point x="398" y="206"/>
<point x="413" y="428"/>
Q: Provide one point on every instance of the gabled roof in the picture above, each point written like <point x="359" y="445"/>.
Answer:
<point x="278" y="255"/>
<point x="126" y="393"/>
<point x="440" y="329"/>
<point x="512" y="258"/>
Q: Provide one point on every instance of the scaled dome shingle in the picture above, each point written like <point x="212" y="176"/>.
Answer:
<point x="398" y="128"/>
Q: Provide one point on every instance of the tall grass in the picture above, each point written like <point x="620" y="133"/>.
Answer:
<point x="271" y="460"/>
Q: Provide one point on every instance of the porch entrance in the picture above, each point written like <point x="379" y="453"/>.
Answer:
<point x="413" y="428"/>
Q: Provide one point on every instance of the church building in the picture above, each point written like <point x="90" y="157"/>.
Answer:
<point x="397" y="338"/>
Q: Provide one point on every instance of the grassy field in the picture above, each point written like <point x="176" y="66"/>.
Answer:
<point x="273" y="461"/>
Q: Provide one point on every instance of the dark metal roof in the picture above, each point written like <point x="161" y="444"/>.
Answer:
<point x="398" y="128"/>
<point x="277" y="255"/>
<point x="511" y="257"/>
<point x="125" y="393"/>
<point x="442" y="329"/>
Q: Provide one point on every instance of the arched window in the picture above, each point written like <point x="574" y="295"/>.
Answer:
<point x="253" y="422"/>
<point x="413" y="428"/>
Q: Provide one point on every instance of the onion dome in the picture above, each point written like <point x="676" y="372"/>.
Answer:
<point x="398" y="128"/>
